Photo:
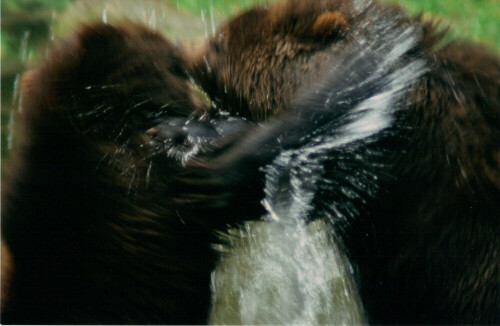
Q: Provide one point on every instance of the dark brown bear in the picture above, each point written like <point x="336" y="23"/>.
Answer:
<point x="97" y="225"/>
<point x="426" y="246"/>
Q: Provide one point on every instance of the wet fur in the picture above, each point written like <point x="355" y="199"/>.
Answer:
<point x="99" y="224"/>
<point x="426" y="247"/>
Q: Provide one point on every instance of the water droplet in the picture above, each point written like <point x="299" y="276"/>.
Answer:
<point x="10" y="137"/>
<point x="24" y="46"/>
<point x="105" y="14"/>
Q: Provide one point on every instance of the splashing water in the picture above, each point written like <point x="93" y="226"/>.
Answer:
<point x="269" y="288"/>
<point x="17" y="98"/>
<point x="152" y="19"/>
<point x="204" y="21"/>
<point x="104" y="16"/>
<point x="10" y="137"/>
<point x="51" y="27"/>
<point x="23" y="49"/>
<point x="212" y="20"/>
<point x="15" y="89"/>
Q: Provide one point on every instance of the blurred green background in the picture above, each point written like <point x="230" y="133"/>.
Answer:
<point x="28" y="26"/>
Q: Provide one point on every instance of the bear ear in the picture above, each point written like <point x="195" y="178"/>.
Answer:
<point x="330" y="24"/>
<point x="309" y="23"/>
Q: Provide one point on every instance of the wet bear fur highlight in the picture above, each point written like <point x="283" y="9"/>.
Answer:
<point x="426" y="247"/>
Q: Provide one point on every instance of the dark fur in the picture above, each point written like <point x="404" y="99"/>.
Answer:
<point x="99" y="224"/>
<point x="426" y="247"/>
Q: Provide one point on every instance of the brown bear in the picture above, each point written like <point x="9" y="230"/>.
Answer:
<point x="425" y="243"/>
<point x="96" y="222"/>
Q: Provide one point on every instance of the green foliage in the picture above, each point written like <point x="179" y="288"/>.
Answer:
<point x="25" y="25"/>
<point x="221" y="7"/>
<point x="6" y="40"/>
<point x="17" y="5"/>
<point x="25" y="28"/>
<point x="31" y="6"/>
<point x="476" y="20"/>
